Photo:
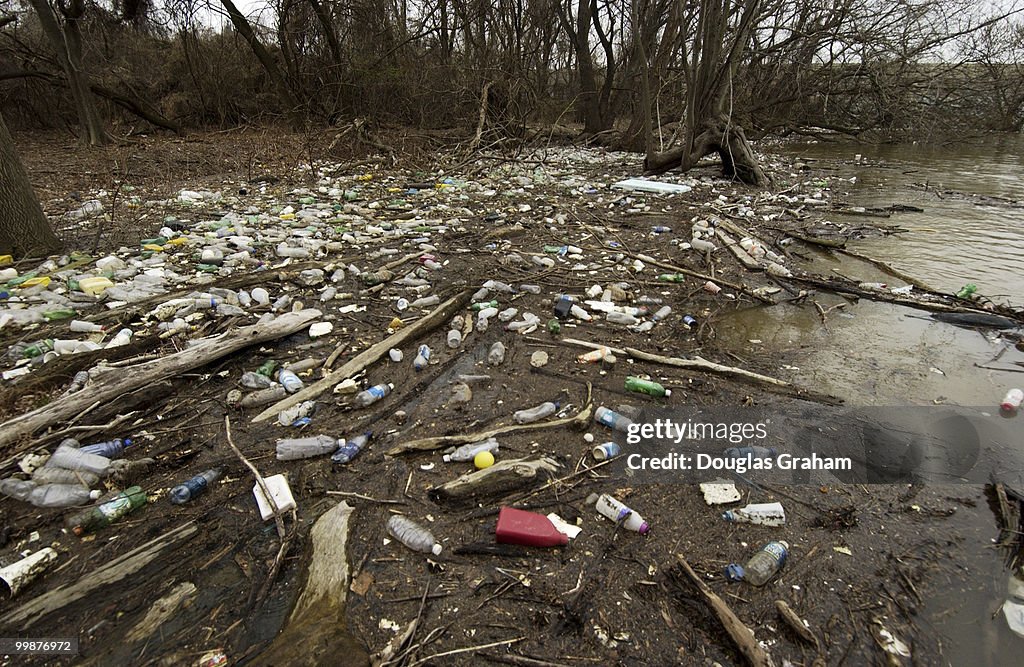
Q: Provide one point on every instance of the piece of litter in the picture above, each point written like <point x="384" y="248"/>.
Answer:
<point x="320" y="329"/>
<point x="643" y="185"/>
<point x="388" y="624"/>
<point x="843" y="550"/>
<point x="720" y="492"/>
<point x="564" y="528"/>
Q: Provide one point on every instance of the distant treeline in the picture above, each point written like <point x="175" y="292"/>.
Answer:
<point x="891" y="69"/>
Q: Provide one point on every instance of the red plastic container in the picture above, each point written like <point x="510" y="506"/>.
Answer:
<point x="528" y="529"/>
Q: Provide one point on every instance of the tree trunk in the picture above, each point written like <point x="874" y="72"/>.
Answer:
<point x="716" y="135"/>
<point x="24" y="230"/>
<point x="284" y="94"/>
<point x="67" y="46"/>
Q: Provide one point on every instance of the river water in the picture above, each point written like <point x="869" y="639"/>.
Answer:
<point x="886" y="355"/>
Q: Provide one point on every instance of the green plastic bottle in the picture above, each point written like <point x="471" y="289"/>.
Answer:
<point x="648" y="387"/>
<point x="483" y="304"/>
<point x="671" y="277"/>
<point x="101" y="516"/>
<point x="59" y="314"/>
<point x="554" y="326"/>
<point x="966" y="291"/>
<point x="267" y="369"/>
<point x="38" y="348"/>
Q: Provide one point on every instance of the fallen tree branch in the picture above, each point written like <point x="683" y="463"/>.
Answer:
<point x="693" y="274"/>
<point x="114" y="385"/>
<point x="99" y="577"/>
<point x="741" y="635"/>
<point x="437" y="442"/>
<point x="434" y="319"/>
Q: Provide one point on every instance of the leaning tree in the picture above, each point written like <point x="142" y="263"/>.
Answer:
<point x="24" y="230"/>
<point x="723" y="29"/>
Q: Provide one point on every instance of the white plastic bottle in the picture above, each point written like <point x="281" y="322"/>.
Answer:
<point x="291" y="449"/>
<point x="422" y="358"/>
<point x="617" y="511"/>
<point x="621" y="318"/>
<point x="454" y="338"/>
<point x="46" y="475"/>
<point x="290" y="381"/>
<point x="62" y="495"/>
<point x="764" y="514"/>
<point x="496" y="355"/>
<point x="1012" y="400"/>
<point x="413" y="535"/>
<point x="535" y="414"/>
<point x="81" y="326"/>
<point x="70" y="458"/>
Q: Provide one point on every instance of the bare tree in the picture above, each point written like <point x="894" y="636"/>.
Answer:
<point x="24" y="230"/>
<point x="722" y="33"/>
<point x="66" y="42"/>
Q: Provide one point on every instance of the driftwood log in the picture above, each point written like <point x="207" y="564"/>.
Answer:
<point x="500" y="478"/>
<point x="112" y="385"/>
<point x="316" y="632"/>
<point x="98" y="578"/>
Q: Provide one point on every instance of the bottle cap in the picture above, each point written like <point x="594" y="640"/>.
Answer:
<point x="668" y="392"/>
<point x="734" y="572"/>
<point x="644" y="528"/>
<point x="447" y="458"/>
<point x="436" y="549"/>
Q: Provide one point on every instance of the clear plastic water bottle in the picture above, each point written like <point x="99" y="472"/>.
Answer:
<point x="422" y="358"/>
<point x="193" y="487"/>
<point x="535" y="414"/>
<point x="349" y="449"/>
<point x="763" y="514"/>
<point x="251" y="380"/>
<point x="661" y="313"/>
<point x="61" y="495"/>
<point x="620" y="318"/>
<point x="468" y="452"/>
<point x="496" y="355"/>
<point x="110" y="449"/>
<point x="291" y="449"/>
<point x="373" y="394"/>
<point x="454" y="338"/>
<point x="412" y="535"/>
<point x="614" y="509"/>
<point x="612" y="419"/>
<point x="766" y="563"/>
<point x="288" y="416"/>
<point x="426" y="301"/>
<point x="290" y="381"/>
<point x="507" y="314"/>
<point x="71" y="458"/>
<point x="1012" y="400"/>
<point x="47" y="475"/>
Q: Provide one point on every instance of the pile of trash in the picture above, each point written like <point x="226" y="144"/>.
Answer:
<point x="390" y="337"/>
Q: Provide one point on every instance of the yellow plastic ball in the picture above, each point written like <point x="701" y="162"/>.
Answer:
<point x="483" y="460"/>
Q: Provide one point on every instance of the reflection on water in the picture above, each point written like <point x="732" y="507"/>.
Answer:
<point x="880" y="354"/>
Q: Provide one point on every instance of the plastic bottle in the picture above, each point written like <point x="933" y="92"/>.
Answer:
<point x="752" y="451"/>
<point x="81" y="326"/>
<point x="766" y="563"/>
<point x="1012" y="400"/>
<point x="483" y="305"/>
<point x="290" y="381"/>
<point x="468" y="452"/>
<point x="620" y="318"/>
<point x="261" y="296"/>
<point x="110" y="449"/>
<point x="422" y="358"/>
<point x="535" y="414"/>
<point x="71" y="458"/>
<point x="267" y="369"/>
<point x="967" y="291"/>
<point x="648" y="387"/>
<point x="349" y="449"/>
<point x="195" y="486"/>
<point x="612" y="419"/>
<point x="618" y="512"/>
<point x="123" y="337"/>
<point x="454" y="338"/>
<point x="38" y="349"/>
<point x="251" y="380"/>
<point x="46" y="475"/>
<point x="412" y="535"/>
<point x="19" y="489"/>
<point x="496" y="355"/>
<point x="764" y="514"/>
<point x="426" y="301"/>
<point x="113" y="510"/>
<point x="61" y="495"/>
<point x="507" y="314"/>
<point x="373" y="394"/>
<point x="291" y="449"/>
<point x="662" y="313"/>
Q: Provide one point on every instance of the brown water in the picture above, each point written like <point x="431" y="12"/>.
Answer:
<point x="880" y="354"/>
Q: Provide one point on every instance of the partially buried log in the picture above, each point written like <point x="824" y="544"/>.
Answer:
<point x="113" y="385"/>
<point x="500" y="478"/>
<point x="316" y="632"/>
